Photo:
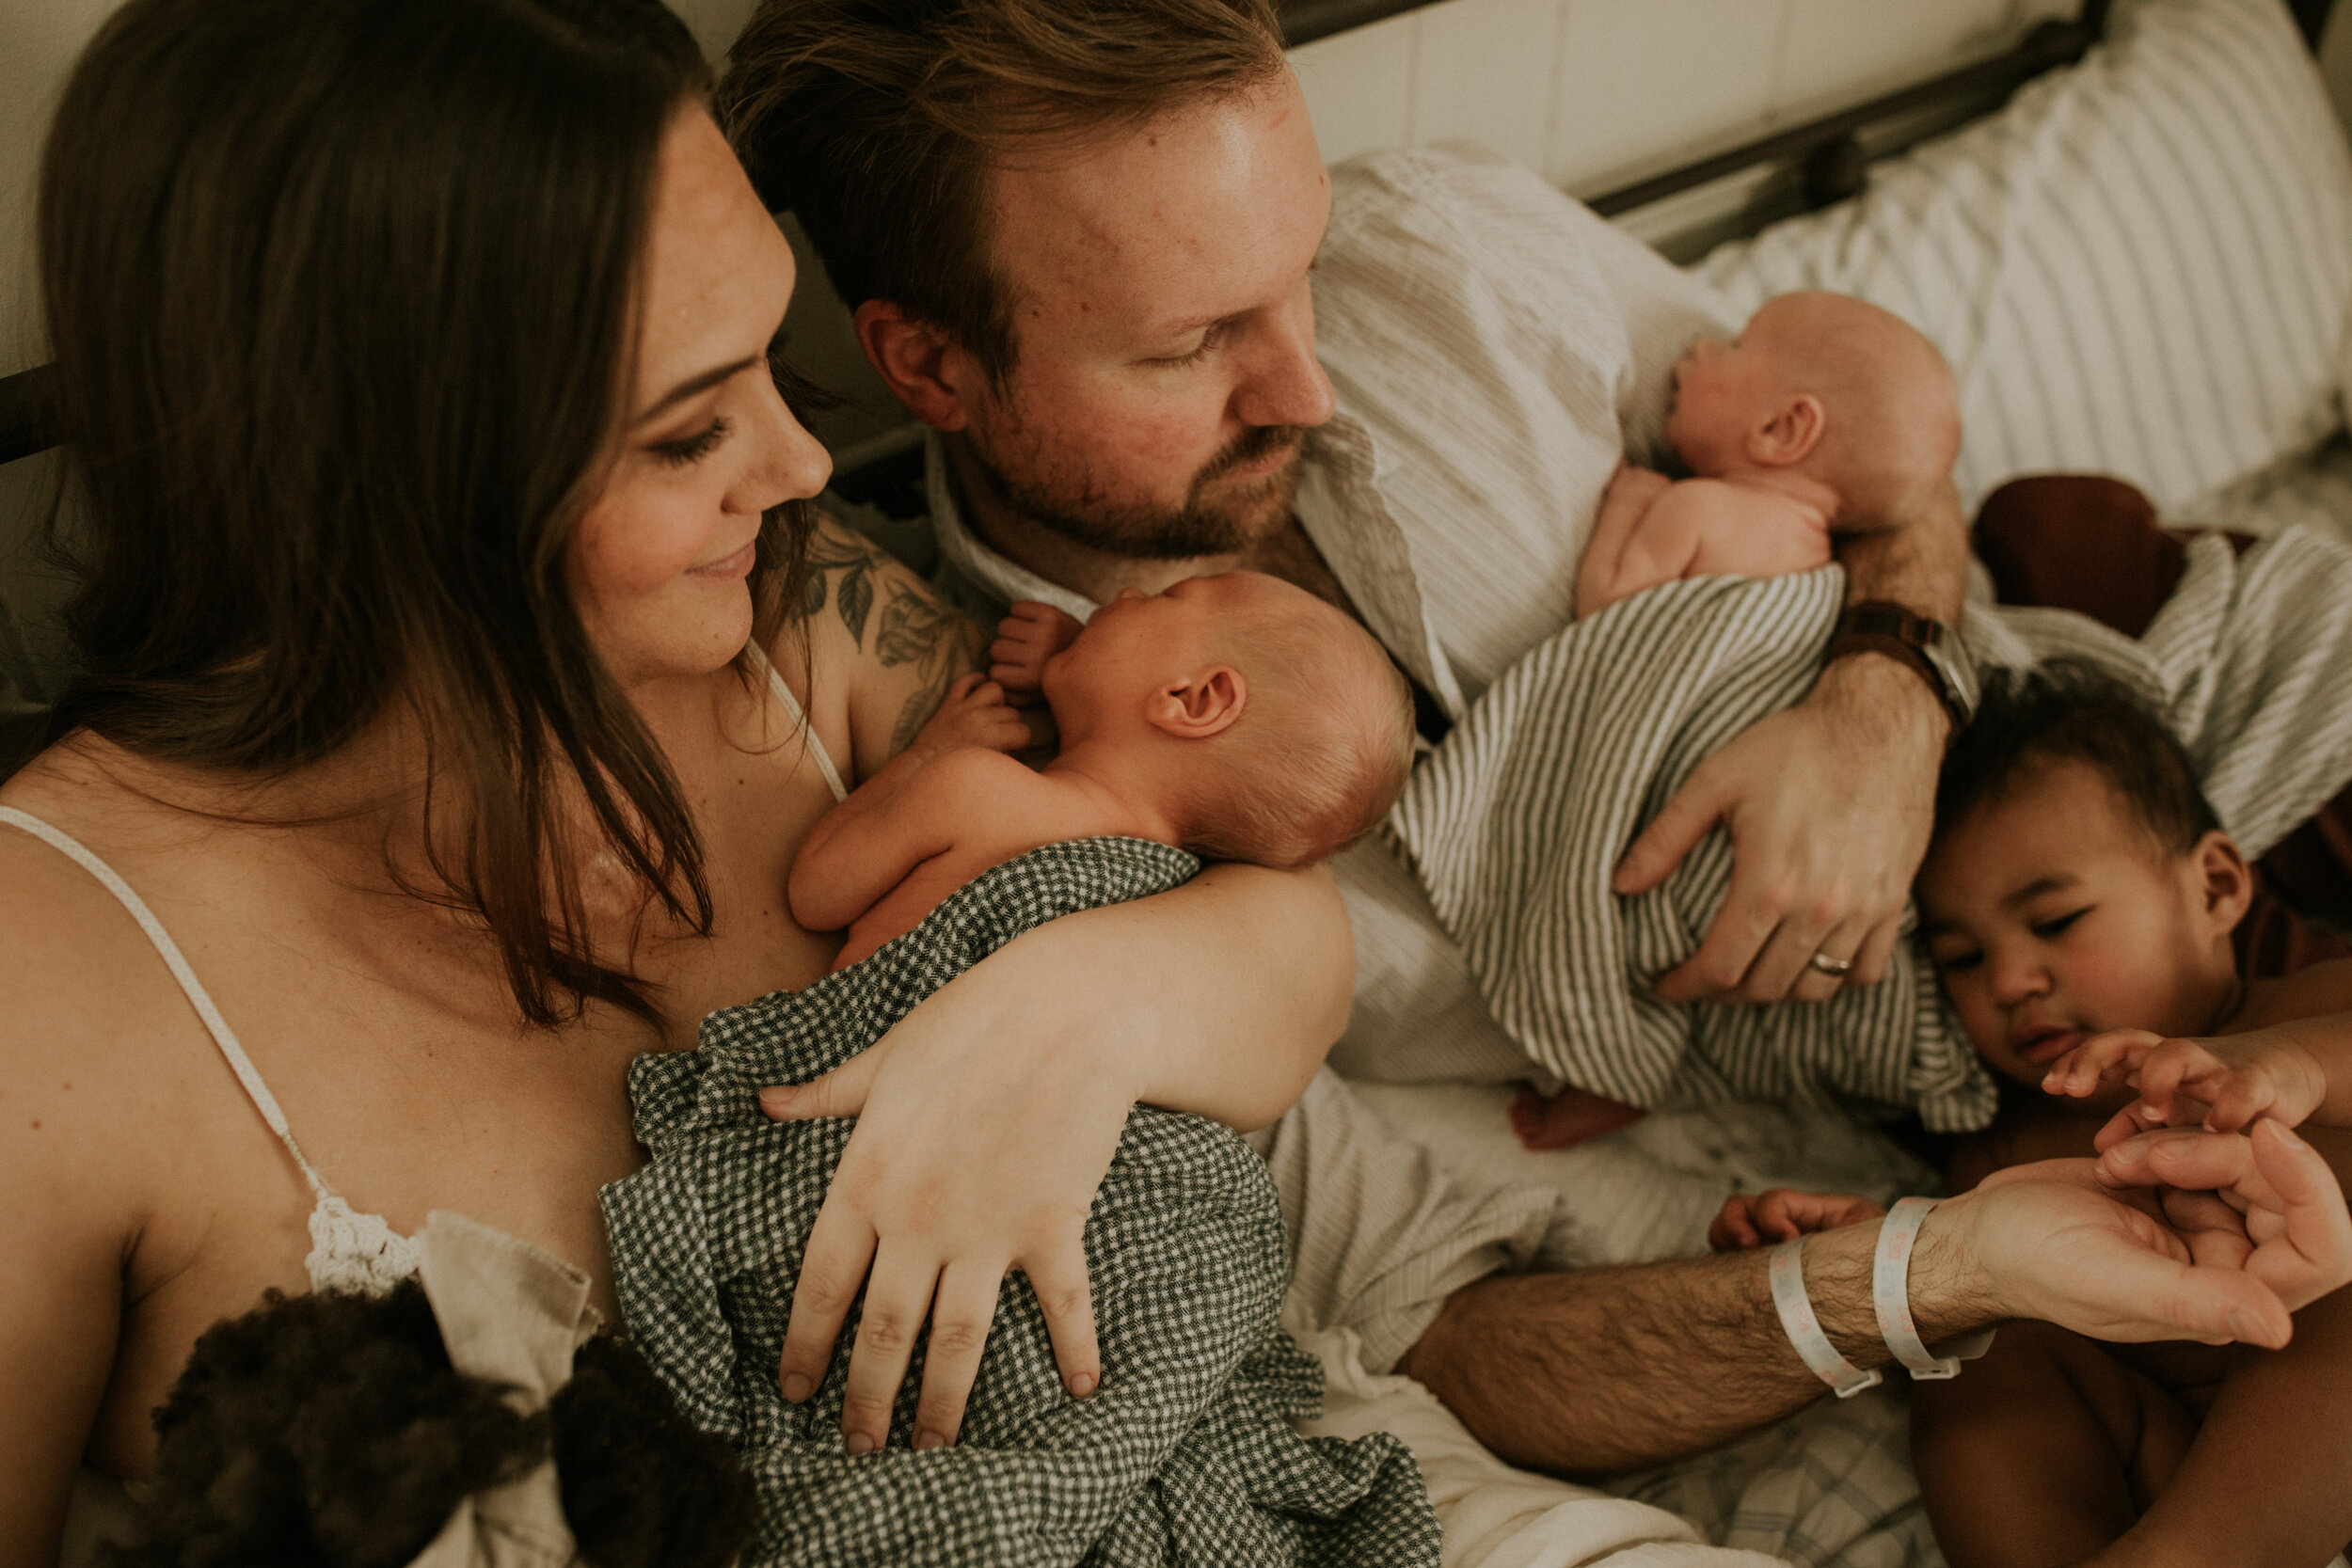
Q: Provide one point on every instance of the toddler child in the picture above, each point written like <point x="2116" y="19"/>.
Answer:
<point x="1236" y="716"/>
<point x="2079" y="900"/>
<point x="1825" y="411"/>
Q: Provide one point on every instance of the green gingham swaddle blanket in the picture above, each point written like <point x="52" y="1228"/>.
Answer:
<point x="1184" y="1455"/>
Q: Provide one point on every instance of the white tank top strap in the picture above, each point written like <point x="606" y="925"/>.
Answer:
<point x="799" y="721"/>
<point x="349" y="1250"/>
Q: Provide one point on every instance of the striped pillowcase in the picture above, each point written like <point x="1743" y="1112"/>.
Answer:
<point x="2141" y="267"/>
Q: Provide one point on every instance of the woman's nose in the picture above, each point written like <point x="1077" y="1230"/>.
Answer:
<point x="791" y="464"/>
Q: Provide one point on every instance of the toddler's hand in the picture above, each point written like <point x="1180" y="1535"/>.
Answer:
<point x="974" y="714"/>
<point x="1752" y="1220"/>
<point x="1030" y="634"/>
<point x="2223" y="1085"/>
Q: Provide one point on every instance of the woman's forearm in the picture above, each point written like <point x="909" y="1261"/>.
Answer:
<point x="1221" y="997"/>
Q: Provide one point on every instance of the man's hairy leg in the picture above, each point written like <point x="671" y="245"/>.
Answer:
<point x="1615" y="1368"/>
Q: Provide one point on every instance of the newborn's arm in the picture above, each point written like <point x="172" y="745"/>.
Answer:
<point x="922" y="804"/>
<point x="1679" y="530"/>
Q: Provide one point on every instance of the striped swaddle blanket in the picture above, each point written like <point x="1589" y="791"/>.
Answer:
<point x="1517" y="823"/>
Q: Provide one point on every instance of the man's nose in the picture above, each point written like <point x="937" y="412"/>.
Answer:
<point x="1285" y="384"/>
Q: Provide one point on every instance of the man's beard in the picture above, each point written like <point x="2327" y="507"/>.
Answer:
<point x="1204" y="525"/>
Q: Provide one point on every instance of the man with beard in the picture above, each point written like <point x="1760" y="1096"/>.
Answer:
<point x="1077" y="238"/>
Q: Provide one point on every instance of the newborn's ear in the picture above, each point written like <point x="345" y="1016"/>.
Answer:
<point x="1790" y="434"/>
<point x="1200" y="705"/>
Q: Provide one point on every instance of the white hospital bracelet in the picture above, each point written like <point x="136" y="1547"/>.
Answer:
<point x="1804" y="1330"/>
<point x="1890" y="1295"/>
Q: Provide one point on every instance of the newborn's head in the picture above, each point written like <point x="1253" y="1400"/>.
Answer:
<point x="2078" y="879"/>
<point x="1295" y="731"/>
<point x="1829" y="386"/>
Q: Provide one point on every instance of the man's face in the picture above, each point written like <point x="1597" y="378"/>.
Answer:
<point x="1166" y="365"/>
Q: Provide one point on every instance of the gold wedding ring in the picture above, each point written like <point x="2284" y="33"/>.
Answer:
<point x="1835" y="968"/>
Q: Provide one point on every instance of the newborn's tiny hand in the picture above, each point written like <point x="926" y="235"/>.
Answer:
<point x="1751" y="1219"/>
<point x="1030" y="634"/>
<point x="974" y="714"/>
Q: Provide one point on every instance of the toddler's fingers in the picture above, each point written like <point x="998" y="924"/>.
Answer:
<point x="2079" y="1071"/>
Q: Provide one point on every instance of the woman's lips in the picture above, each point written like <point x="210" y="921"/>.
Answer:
<point x="733" y="565"/>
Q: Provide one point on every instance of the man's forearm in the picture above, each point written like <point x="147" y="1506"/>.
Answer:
<point x="1615" y="1369"/>
<point x="1921" y="563"/>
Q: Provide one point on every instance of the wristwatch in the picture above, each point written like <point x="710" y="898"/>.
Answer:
<point x="1927" y="645"/>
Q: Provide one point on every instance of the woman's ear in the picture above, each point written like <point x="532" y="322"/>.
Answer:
<point x="1790" y="434"/>
<point x="2227" y="881"/>
<point x="929" y="375"/>
<point x="1204" y="705"/>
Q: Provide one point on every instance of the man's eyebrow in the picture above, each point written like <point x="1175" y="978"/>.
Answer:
<point x="693" y="384"/>
<point x="2056" y="882"/>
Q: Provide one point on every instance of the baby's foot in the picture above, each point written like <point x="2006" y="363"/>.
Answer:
<point x="1571" y="1118"/>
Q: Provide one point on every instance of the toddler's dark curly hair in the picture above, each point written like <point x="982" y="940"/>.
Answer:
<point x="329" y="1431"/>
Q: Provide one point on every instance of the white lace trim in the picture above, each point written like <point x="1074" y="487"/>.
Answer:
<point x="355" y="1251"/>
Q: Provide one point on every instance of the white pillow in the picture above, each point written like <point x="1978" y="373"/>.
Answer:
<point x="2141" y="267"/>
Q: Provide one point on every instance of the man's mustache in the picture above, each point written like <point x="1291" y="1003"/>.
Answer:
<point x="1250" y="446"/>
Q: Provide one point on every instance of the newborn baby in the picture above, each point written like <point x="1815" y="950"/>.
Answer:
<point x="1236" y="716"/>
<point x="1825" y="411"/>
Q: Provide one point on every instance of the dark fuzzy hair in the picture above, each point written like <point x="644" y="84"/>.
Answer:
<point x="877" y="122"/>
<point x="2070" y="711"/>
<point x="330" y="1430"/>
<point x="342" y="295"/>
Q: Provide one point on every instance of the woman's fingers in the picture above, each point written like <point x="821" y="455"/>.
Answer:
<point x="839" y="1093"/>
<point x="840" y="1246"/>
<point x="898" y="1299"/>
<point x="961" y="1313"/>
<point x="1843" y="943"/>
<point x="1058" y="1275"/>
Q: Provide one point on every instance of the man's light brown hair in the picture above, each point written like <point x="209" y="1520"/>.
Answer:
<point x="876" y="123"/>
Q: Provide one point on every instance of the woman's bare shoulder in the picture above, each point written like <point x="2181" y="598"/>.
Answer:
<point x="889" y="642"/>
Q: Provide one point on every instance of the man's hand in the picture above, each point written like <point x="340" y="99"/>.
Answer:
<point x="1030" y="634"/>
<point x="1829" y="805"/>
<point x="2181" y="1234"/>
<point x="1751" y="1219"/>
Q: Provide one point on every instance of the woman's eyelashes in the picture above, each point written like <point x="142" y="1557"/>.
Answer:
<point x="691" y="449"/>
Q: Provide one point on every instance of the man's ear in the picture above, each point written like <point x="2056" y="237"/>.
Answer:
<point x="1204" y="705"/>
<point x="933" y="377"/>
<point x="1790" y="434"/>
<point x="2227" y="881"/>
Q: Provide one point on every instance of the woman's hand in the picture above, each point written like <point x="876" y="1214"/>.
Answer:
<point x="982" y="1137"/>
<point x="986" y="1118"/>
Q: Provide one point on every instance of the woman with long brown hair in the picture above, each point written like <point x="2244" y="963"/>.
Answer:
<point x="459" y="682"/>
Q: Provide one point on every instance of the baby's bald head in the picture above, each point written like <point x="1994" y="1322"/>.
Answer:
<point x="1888" y="414"/>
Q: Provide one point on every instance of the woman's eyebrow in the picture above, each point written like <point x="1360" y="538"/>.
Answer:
<point x="693" y="384"/>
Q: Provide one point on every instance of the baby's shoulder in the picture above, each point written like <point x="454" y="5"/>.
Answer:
<point x="2314" y="993"/>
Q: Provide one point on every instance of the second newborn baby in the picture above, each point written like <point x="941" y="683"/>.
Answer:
<point x="1236" y="716"/>
<point x="1825" y="412"/>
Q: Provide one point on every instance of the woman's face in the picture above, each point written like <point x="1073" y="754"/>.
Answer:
<point x="659" y="564"/>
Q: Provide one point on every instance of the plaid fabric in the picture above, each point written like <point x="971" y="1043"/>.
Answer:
<point x="1183" y="1456"/>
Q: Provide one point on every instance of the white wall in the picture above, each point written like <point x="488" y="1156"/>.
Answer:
<point x="1596" y="92"/>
